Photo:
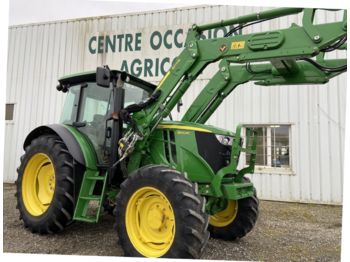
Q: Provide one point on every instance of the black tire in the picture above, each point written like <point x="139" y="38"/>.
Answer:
<point x="59" y="212"/>
<point x="109" y="208"/>
<point x="246" y="217"/>
<point x="191" y="221"/>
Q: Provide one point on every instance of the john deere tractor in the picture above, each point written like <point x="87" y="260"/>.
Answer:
<point x="169" y="184"/>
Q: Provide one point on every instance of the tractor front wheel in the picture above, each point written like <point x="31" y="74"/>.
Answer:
<point x="160" y="214"/>
<point x="236" y="220"/>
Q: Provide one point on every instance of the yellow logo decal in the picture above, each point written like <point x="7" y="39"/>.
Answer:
<point x="237" y="45"/>
<point x="183" y="132"/>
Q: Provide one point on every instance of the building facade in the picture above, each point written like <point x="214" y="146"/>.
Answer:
<point x="301" y="128"/>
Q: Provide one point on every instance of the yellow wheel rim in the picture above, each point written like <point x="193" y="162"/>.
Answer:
<point x="226" y="216"/>
<point x="38" y="184"/>
<point x="150" y="222"/>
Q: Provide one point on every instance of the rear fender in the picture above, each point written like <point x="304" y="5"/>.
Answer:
<point x="67" y="137"/>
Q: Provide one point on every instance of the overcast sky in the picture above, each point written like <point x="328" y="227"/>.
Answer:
<point x="33" y="11"/>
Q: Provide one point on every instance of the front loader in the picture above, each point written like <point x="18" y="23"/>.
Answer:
<point x="170" y="184"/>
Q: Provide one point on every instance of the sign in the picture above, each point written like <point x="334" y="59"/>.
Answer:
<point x="147" y="53"/>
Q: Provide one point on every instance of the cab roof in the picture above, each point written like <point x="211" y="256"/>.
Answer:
<point x="90" y="76"/>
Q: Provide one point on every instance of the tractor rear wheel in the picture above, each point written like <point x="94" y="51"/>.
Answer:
<point x="161" y="214"/>
<point x="45" y="185"/>
<point x="236" y="220"/>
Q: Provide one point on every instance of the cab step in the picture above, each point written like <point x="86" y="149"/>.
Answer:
<point x="89" y="203"/>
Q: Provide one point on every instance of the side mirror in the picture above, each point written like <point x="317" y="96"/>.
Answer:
<point x="103" y="76"/>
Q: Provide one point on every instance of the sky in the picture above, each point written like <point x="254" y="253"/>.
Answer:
<point x="31" y="11"/>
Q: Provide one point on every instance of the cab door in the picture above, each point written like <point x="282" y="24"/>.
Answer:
<point x="87" y="108"/>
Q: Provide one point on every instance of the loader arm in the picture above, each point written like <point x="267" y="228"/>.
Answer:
<point x="229" y="77"/>
<point x="287" y="52"/>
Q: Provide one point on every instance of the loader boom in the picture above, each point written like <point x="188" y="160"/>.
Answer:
<point x="286" y="52"/>
<point x="229" y="77"/>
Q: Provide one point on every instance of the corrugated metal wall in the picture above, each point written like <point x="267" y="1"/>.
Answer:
<point x="41" y="53"/>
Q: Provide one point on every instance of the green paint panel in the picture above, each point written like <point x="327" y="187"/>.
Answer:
<point x="92" y="177"/>
<point x="237" y="191"/>
<point x="174" y="144"/>
<point x="181" y="153"/>
<point x="86" y="148"/>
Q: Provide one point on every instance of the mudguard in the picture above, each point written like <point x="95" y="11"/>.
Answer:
<point x="67" y="137"/>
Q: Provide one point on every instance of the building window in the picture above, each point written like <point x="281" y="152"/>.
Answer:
<point x="9" y="112"/>
<point x="273" y="150"/>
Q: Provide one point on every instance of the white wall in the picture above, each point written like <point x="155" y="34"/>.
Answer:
<point x="41" y="53"/>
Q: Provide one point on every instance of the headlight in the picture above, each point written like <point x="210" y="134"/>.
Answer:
<point x="224" y="140"/>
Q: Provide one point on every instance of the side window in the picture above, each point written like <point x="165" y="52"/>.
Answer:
<point x="68" y="115"/>
<point x="94" y="103"/>
<point x="93" y="107"/>
<point x="273" y="151"/>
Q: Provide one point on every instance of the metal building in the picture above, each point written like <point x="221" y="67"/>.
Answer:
<point x="301" y="128"/>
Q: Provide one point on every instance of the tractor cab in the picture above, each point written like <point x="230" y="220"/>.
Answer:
<point x="88" y="106"/>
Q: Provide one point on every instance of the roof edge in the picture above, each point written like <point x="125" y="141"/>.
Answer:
<point x="109" y="16"/>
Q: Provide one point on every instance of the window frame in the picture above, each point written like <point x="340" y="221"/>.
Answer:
<point x="10" y="122"/>
<point x="261" y="169"/>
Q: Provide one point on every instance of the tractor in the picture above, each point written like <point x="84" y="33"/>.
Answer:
<point x="170" y="184"/>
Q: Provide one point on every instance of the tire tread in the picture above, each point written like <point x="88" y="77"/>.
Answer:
<point x="190" y="237"/>
<point x="60" y="212"/>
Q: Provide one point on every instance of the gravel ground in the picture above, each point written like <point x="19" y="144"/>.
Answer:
<point x="284" y="232"/>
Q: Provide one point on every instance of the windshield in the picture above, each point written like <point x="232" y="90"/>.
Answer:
<point x="134" y="94"/>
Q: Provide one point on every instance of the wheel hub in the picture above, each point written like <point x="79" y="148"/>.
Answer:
<point x="150" y="222"/>
<point x="226" y="216"/>
<point x="38" y="185"/>
<point x="155" y="218"/>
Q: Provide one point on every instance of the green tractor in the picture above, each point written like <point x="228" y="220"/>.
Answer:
<point x="170" y="184"/>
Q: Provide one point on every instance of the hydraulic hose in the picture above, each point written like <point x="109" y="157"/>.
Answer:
<point x="325" y="68"/>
